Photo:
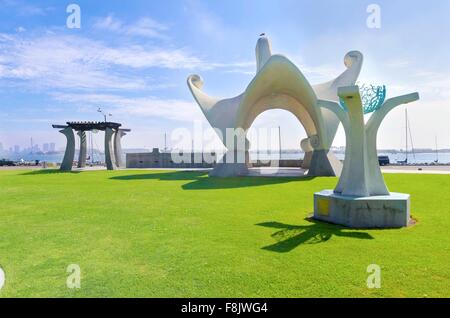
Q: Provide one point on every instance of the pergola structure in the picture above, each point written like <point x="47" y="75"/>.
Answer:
<point x="113" y="145"/>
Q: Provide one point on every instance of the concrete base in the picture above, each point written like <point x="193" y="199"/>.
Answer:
<point x="391" y="211"/>
<point x="227" y="170"/>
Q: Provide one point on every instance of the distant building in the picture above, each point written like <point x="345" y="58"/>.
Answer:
<point x="46" y="147"/>
<point x="52" y="147"/>
<point x="16" y="149"/>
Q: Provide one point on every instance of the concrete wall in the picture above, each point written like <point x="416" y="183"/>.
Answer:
<point x="157" y="159"/>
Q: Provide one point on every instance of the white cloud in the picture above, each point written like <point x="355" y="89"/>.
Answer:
<point x="23" y="8"/>
<point x="74" y="62"/>
<point x="108" y="23"/>
<point x="147" y="27"/>
<point x="144" y="27"/>
<point x="59" y="61"/>
<point x="149" y="106"/>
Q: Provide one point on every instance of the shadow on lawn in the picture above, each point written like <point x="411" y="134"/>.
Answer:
<point x="290" y="236"/>
<point x="48" y="171"/>
<point x="201" y="181"/>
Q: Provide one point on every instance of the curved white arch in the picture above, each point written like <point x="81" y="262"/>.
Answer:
<point x="279" y="84"/>
<point x="353" y="61"/>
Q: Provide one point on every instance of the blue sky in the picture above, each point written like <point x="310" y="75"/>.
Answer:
<point x="133" y="60"/>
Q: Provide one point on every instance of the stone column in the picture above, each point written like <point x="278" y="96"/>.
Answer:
<point x="109" y="150"/>
<point x="118" y="147"/>
<point x="69" y="154"/>
<point x="83" y="149"/>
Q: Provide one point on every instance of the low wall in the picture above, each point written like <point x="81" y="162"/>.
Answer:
<point x="156" y="159"/>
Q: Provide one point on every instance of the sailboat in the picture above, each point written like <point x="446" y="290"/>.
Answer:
<point x="407" y="131"/>
<point x="437" y="151"/>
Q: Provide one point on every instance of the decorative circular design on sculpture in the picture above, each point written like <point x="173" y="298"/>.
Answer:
<point x="372" y="98"/>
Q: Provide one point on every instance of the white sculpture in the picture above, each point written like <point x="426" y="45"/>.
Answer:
<point x="361" y="198"/>
<point x="361" y="175"/>
<point x="278" y="84"/>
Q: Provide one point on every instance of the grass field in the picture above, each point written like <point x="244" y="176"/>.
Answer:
<point x="182" y="234"/>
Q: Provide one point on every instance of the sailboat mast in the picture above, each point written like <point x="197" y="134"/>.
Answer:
<point x="437" y="151"/>
<point x="406" y="121"/>
<point x="165" y="142"/>
<point x="279" y="141"/>
<point x="92" y="148"/>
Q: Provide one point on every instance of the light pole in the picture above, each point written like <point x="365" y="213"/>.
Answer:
<point x="99" y="110"/>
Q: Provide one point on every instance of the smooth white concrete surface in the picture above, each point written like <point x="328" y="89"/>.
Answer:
<point x="361" y="175"/>
<point x="279" y="84"/>
<point x="389" y="211"/>
<point x="361" y="198"/>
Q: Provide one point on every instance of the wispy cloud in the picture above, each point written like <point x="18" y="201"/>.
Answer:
<point x="144" y="27"/>
<point x="148" y="106"/>
<point x="73" y="62"/>
<point x="108" y="23"/>
<point x="60" y="61"/>
<point x="23" y="8"/>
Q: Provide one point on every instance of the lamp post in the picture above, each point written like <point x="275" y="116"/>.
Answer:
<point x="99" y="110"/>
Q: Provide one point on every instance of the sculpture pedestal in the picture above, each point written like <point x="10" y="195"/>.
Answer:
<point x="390" y="211"/>
<point x="228" y="170"/>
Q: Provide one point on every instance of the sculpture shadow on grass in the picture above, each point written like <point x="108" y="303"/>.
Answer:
<point x="48" y="172"/>
<point x="201" y="181"/>
<point x="289" y="237"/>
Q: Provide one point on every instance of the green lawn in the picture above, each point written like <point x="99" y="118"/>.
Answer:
<point x="182" y="234"/>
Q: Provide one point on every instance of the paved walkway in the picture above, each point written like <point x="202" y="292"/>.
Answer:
<point x="276" y="172"/>
<point x="417" y="169"/>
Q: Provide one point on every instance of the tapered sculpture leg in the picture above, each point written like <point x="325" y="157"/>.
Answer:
<point x="69" y="154"/>
<point x="83" y="150"/>
<point x="235" y="162"/>
<point x="324" y="164"/>
<point x="319" y="160"/>
<point x="109" y="150"/>
<point x="118" y="147"/>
